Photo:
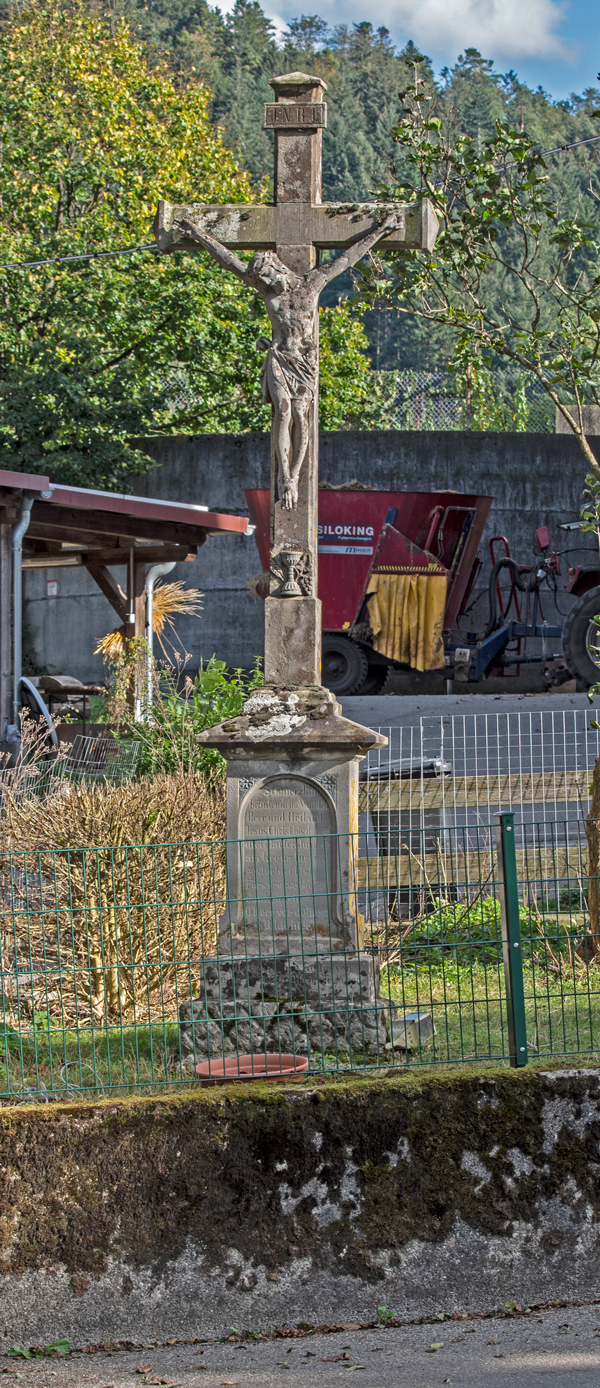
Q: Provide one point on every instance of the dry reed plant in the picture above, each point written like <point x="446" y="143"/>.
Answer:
<point x="170" y="600"/>
<point x="109" y="930"/>
<point x="35" y="760"/>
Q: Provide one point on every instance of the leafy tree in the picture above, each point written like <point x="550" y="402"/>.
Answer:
<point x="91" y="138"/>
<point x="351" y="394"/>
<point x="95" y="355"/>
<point x="503" y="222"/>
<point x="246" y="56"/>
<point x="236" y="54"/>
<point x="185" y="33"/>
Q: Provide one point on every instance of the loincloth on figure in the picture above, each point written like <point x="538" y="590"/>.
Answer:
<point x="295" y="373"/>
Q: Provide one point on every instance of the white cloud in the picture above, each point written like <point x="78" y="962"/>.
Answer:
<point x="507" y="29"/>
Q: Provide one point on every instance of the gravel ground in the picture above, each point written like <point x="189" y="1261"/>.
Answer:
<point x="561" y="1345"/>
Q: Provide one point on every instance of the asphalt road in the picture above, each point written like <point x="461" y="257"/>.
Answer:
<point x="560" y="1347"/>
<point x="406" y="710"/>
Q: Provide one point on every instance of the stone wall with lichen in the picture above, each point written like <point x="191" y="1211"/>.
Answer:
<point x="184" y="1214"/>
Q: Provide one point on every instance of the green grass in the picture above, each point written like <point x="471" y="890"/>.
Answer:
<point x="88" y="1061"/>
<point x="451" y="965"/>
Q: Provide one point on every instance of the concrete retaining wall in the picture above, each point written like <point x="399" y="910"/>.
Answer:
<point x="536" y="479"/>
<point x="182" y="1215"/>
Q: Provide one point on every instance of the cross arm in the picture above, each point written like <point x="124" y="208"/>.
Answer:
<point x="242" y="226"/>
<point x="264" y="227"/>
<point x="225" y="257"/>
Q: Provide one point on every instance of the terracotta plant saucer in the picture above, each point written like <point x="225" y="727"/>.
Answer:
<point x="271" y="1066"/>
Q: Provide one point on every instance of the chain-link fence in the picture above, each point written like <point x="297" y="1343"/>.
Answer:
<point x="445" y="770"/>
<point x="429" y="400"/>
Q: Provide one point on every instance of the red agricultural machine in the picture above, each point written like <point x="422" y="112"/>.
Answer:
<point x="396" y="571"/>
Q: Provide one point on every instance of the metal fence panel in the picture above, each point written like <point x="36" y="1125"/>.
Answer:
<point x="465" y="768"/>
<point x="116" y="977"/>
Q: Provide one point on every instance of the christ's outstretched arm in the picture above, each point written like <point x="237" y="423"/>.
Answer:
<point x="226" y="258"/>
<point x="358" y="249"/>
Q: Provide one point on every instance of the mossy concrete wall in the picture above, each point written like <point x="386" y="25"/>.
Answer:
<point x="184" y="1215"/>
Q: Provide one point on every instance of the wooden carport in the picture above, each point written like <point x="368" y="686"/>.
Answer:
<point x="75" y="526"/>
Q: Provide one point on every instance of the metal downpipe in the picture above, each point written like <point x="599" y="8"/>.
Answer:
<point x="157" y="571"/>
<point x="17" y="566"/>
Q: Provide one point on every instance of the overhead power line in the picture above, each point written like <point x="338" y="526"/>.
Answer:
<point x="64" y="259"/>
<point x="561" y="148"/>
<point x="133" y="250"/>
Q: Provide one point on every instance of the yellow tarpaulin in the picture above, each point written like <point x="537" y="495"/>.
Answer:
<point x="406" y="612"/>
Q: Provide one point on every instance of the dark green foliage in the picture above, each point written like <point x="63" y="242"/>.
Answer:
<point x="168" y="736"/>
<point x="93" y="356"/>
<point x="113" y="378"/>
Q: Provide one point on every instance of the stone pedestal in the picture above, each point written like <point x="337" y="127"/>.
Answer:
<point x="292" y="641"/>
<point x="291" y="972"/>
<point x="327" y="1007"/>
<point x="292" y="823"/>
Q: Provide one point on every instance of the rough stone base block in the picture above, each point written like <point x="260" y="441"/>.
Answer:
<point x="314" y="1005"/>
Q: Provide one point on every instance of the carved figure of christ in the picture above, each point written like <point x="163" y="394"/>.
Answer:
<point x="290" y="374"/>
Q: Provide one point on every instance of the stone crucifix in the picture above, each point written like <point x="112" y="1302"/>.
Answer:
<point x="287" y="237"/>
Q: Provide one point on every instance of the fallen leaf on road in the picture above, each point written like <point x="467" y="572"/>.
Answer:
<point x="498" y="1356"/>
<point x="437" y="1344"/>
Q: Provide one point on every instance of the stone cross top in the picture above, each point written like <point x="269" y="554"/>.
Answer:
<point x="287" y="237"/>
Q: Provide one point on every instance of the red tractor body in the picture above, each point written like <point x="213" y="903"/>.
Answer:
<point x="366" y="532"/>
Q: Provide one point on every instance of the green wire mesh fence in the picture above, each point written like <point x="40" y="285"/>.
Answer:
<point x="134" y="968"/>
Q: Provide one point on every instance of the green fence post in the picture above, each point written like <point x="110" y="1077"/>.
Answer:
<point x="511" y="939"/>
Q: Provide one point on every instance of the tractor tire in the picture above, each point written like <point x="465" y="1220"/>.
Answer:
<point x="343" y="664"/>
<point x="375" y="680"/>
<point x="581" y="636"/>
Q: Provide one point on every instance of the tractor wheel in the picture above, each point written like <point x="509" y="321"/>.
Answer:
<point x="343" y="664"/>
<point x="581" y="638"/>
<point x="375" y="680"/>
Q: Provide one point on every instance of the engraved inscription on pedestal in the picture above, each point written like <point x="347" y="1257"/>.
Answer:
<point x="289" y="880"/>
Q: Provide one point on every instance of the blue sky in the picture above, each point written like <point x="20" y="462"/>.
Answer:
<point x="550" y="43"/>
